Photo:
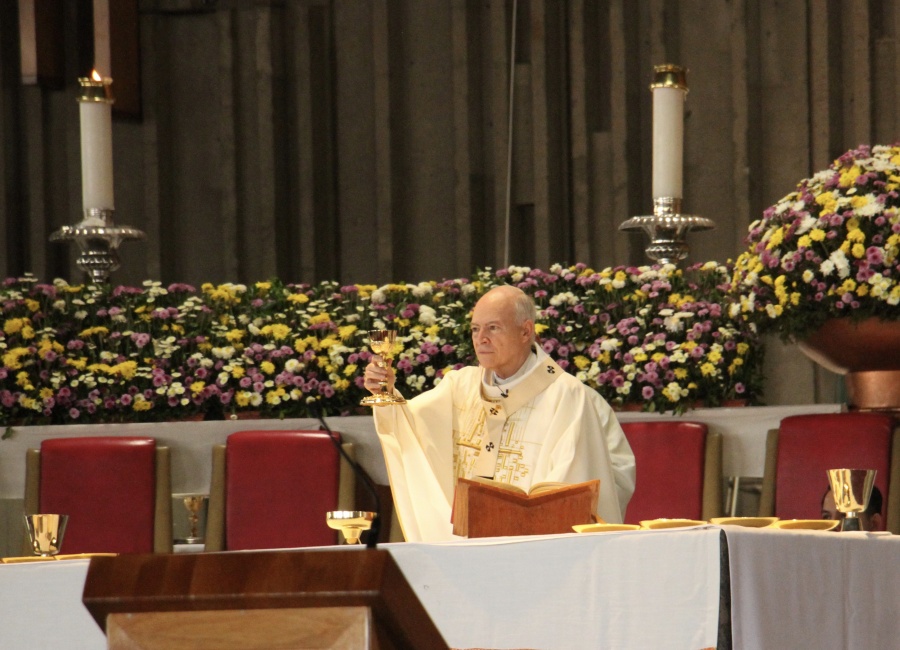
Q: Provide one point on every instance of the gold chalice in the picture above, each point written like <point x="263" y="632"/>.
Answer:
<point x="193" y="504"/>
<point x="382" y="343"/>
<point x="46" y="533"/>
<point x="852" y="489"/>
<point x="351" y="523"/>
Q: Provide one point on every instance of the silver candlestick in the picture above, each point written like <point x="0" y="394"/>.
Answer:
<point x="98" y="240"/>
<point x="667" y="229"/>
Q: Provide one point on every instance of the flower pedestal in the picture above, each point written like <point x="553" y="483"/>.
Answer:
<point x="867" y="353"/>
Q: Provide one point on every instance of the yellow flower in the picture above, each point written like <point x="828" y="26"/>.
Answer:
<point x="263" y="287"/>
<point x="298" y="298"/>
<point x="681" y="373"/>
<point x="849" y="176"/>
<point x="267" y="367"/>
<point x="540" y="328"/>
<point x="350" y="369"/>
<point x="99" y="330"/>
<point x="582" y="362"/>
<point x="197" y="387"/>
<point x="346" y="331"/>
<point x="78" y="364"/>
<point x="140" y="404"/>
<point x="817" y="234"/>
<point x="708" y="369"/>
<point x="234" y="335"/>
<point x="237" y="372"/>
<point x="33" y="305"/>
<point x="126" y="369"/>
<point x="242" y="397"/>
<point x="14" y="325"/>
<point x="277" y="331"/>
<point x="858" y="250"/>
<point x="12" y="359"/>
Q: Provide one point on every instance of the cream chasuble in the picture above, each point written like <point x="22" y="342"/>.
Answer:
<point x="543" y="426"/>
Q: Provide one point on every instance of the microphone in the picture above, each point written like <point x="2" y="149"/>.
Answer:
<point x="360" y="474"/>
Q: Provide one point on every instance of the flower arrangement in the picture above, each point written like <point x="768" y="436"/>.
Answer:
<point x="657" y="336"/>
<point x="831" y="248"/>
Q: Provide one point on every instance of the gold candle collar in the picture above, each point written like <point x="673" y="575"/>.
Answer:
<point x="669" y="75"/>
<point x="96" y="90"/>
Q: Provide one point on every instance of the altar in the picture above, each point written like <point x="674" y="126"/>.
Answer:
<point x="691" y="588"/>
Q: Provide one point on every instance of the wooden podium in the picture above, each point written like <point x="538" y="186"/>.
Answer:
<point x="317" y="598"/>
<point x="481" y="510"/>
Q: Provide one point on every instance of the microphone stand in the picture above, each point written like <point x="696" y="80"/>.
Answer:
<point x="359" y="473"/>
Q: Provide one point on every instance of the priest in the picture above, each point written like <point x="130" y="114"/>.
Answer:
<point x="517" y="417"/>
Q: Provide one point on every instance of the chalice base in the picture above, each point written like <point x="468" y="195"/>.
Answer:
<point x="850" y="523"/>
<point x="382" y="399"/>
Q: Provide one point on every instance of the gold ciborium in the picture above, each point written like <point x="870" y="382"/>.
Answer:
<point x="852" y="489"/>
<point x="351" y="523"/>
<point x="46" y="533"/>
<point x="382" y="343"/>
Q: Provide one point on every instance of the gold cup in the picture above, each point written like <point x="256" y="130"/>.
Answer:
<point x="382" y="343"/>
<point x="351" y="523"/>
<point x="46" y="533"/>
<point x="852" y="489"/>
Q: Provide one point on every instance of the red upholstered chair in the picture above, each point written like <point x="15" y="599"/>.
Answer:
<point x="804" y="447"/>
<point x="271" y="489"/>
<point x="116" y="491"/>
<point x="679" y="470"/>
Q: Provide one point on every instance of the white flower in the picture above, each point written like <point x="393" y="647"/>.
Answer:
<point x="422" y="289"/>
<point x="427" y="315"/>
<point x="841" y="263"/>
<point x="378" y="297"/>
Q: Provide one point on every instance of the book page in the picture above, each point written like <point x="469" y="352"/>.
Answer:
<point x="546" y="486"/>
<point x="497" y="484"/>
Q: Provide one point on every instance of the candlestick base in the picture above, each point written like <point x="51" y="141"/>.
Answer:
<point x="667" y="229"/>
<point x="98" y="240"/>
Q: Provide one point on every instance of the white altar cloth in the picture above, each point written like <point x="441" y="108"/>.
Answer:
<point x="805" y="589"/>
<point x="642" y="589"/>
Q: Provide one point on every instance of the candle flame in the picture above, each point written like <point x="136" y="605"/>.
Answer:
<point x="96" y="76"/>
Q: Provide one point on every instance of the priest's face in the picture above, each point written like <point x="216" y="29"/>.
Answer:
<point x="502" y="345"/>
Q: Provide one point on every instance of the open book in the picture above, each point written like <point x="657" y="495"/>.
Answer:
<point x="486" y="508"/>
<point x="537" y="488"/>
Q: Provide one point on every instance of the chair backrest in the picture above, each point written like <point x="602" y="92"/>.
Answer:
<point x="679" y="470"/>
<point x="116" y="491"/>
<point x="804" y="447"/>
<point x="271" y="489"/>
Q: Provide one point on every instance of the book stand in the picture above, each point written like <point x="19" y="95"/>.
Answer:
<point x="322" y="598"/>
<point x="481" y="510"/>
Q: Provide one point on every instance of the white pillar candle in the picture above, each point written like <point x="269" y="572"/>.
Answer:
<point x="95" y="110"/>
<point x="669" y="92"/>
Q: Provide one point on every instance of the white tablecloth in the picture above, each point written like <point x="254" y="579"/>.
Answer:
<point x="647" y="589"/>
<point x="802" y="589"/>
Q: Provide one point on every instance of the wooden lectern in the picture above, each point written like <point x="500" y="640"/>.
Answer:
<point x="481" y="510"/>
<point x="314" y="598"/>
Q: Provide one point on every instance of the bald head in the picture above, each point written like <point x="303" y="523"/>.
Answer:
<point x="503" y="329"/>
